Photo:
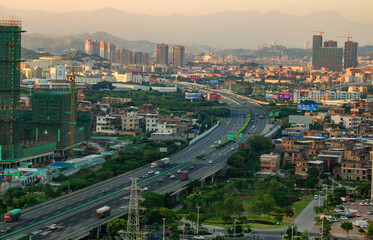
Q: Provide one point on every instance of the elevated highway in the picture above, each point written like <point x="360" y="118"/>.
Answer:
<point x="75" y="212"/>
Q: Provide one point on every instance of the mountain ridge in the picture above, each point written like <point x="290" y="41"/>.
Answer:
<point x="229" y="29"/>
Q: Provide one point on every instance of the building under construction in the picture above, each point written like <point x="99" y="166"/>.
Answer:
<point x="44" y="133"/>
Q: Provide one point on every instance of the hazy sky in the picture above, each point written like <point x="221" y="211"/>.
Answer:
<point x="356" y="10"/>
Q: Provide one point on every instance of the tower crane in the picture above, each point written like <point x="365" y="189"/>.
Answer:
<point x="348" y="37"/>
<point x="321" y="32"/>
<point x="71" y="78"/>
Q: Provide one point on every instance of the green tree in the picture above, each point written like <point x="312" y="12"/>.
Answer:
<point x="153" y="200"/>
<point x="116" y="225"/>
<point x="347" y="226"/>
<point x="304" y="236"/>
<point x="370" y="229"/>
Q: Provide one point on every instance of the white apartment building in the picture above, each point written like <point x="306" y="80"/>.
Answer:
<point x="125" y="77"/>
<point x="93" y="80"/>
<point x="347" y="121"/>
<point x="106" y="125"/>
<point x="151" y="125"/>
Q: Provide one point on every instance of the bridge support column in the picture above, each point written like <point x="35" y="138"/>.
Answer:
<point x="212" y="178"/>
<point x="98" y="232"/>
<point x="202" y="182"/>
<point x="177" y="196"/>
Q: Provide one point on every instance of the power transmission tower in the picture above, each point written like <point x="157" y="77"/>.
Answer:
<point x="133" y="221"/>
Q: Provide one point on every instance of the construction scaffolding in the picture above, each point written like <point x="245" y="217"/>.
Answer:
<point x="10" y="58"/>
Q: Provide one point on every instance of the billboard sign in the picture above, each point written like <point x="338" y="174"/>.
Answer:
<point x="27" y="169"/>
<point x="285" y="95"/>
<point x="292" y="133"/>
<point x="162" y="149"/>
<point x="230" y="82"/>
<point x="11" y="171"/>
<point x="193" y="95"/>
<point x="214" y="81"/>
<point x="41" y="173"/>
<point x="230" y="137"/>
<point x="274" y="96"/>
<point x="306" y="107"/>
<point x="213" y="96"/>
<point x="195" y="77"/>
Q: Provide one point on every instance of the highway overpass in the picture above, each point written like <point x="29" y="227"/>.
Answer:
<point x="75" y="212"/>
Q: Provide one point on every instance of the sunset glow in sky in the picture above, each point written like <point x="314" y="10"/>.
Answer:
<point x="355" y="10"/>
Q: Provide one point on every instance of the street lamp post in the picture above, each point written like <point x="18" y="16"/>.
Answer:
<point x="164" y="227"/>
<point x="198" y="219"/>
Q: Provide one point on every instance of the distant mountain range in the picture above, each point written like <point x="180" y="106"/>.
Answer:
<point x="220" y="30"/>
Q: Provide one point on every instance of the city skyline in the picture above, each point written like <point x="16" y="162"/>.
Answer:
<point x="358" y="10"/>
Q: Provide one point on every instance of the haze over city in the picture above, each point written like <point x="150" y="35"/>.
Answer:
<point x="208" y="22"/>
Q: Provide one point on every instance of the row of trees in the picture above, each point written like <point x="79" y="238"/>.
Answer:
<point x="246" y="161"/>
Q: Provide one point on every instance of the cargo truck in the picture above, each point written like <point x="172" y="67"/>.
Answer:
<point x="12" y="215"/>
<point x="103" y="212"/>
<point x="163" y="162"/>
<point x="184" y="175"/>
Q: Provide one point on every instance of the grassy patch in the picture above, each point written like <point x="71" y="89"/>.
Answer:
<point x="300" y="205"/>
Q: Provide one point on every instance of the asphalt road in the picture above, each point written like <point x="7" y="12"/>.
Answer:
<point x="76" y="211"/>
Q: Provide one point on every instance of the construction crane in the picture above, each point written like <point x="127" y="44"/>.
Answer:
<point x="348" y="37"/>
<point x="321" y="32"/>
<point x="71" y="78"/>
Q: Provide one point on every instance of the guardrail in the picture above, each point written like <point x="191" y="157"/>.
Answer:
<point x="204" y="134"/>
<point x="275" y="128"/>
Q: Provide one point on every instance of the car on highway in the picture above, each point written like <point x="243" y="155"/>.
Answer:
<point x="198" y="238"/>
<point x="157" y="172"/>
<point x="191" y="167"/>
<point x="150" y="171"/>
<point x="172" y="176"/>
<point x="212" y="145"/>
<point x="210" y="162"/>
<point x="161" y="180"/>
<point x="4" y="230"/>
<point x="232" y="148"/>
<point x="145" y="189"/>
<point x="53" y="227"/>
<point x="168" y="174"/>
<point x="179" y="171"/>
<point x="105" y="190"/>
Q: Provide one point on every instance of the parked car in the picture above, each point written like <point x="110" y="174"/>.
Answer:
<point x="316" y="197"/>
<point x="370" y="212"/>
<point x="333" y="219"/>
<point x="344" y="218"/>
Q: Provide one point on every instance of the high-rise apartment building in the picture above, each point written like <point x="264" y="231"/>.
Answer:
<point x="350" y="54"/>
<point x="178" y="56"/>
<point x="146" y="58"/>
<point x="103" y="49"/>
<point x="139" y="57"/>
<point x="110" y="50"/>
<point x="162" y="54"/>
<point x="10" y="58"/>
<point x="326" y="57"/>
<point x="92" y="47"/>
